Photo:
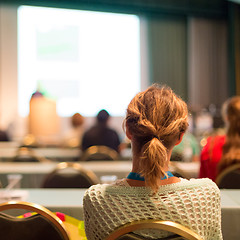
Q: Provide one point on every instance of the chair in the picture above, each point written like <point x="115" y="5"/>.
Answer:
<point x="42" y="225"/>
<point x="99" y="153"/>
<point x="25" y="154"/>
<point x="125" y="232"/>
<point x="229" y="178"/>
<point x="70" y="175"/>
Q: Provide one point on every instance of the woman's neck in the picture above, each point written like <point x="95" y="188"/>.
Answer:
<point x="136" y="158"/>
<point x="136" y="169"/>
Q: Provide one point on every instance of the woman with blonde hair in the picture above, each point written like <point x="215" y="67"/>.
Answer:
<point x="155" y="122"/>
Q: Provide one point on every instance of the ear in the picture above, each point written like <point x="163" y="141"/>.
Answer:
<point x="128" y="134"/>
<point x="180" y="138"/>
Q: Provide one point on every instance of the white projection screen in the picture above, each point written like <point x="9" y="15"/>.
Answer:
<point x="84" y="60"/>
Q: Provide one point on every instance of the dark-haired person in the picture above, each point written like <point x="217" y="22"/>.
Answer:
<point x="101" y="133"/>
<point x="156" y="121"/>
<point x="4" y="136"/>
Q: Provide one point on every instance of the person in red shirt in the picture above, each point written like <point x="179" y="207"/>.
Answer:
<point x="210" y="156"/>
<point x="224" y="150"/>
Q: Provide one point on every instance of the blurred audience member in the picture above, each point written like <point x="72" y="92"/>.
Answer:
<point x="223" y="150"/>
<point x="187" y="150"/>
<point x="101" y="134"/>
<point x="43" y="120"/>
<point x="73" y="137"/>
<point x="4" y="136"/>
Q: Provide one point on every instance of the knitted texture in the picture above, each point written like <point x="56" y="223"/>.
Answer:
<point x="193" y="203"/>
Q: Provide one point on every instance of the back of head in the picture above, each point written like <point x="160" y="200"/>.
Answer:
<point x="231" y="110"/>
<point x="231" y="148"/>
<point x="155" y="118"/>
<point x="102" y="116"/>
<point x="77" y="120"/>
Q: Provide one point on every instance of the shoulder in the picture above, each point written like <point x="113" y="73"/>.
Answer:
<point x="202" y="185"/>
<point x="193" y="185"/>
<point x="213" y="143"/>
<point x="120" y="188"/>
<point x="91" y="129"/>
<point x="198" y="182"/>
<point x="111" y="131"/>
<point x="97" y="190"/>
<point x="215" y="140"/>
<point x="89" y="132"/>
<point x="102" y="188"/>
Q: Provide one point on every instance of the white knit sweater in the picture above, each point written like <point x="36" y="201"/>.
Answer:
<point x="194" y="203"/>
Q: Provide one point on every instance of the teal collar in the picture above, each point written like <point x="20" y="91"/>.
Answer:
<point x="137" y="176"/>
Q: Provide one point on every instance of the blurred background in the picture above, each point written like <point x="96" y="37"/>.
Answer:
<point x="83" y="56"/>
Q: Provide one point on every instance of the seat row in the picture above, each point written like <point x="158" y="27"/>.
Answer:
<point x="40" y="223"/>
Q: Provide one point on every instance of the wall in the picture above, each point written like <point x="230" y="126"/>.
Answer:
<point x="8" y="68"/>
<point x="168" y="52"/>
<point x="208" y="66"/>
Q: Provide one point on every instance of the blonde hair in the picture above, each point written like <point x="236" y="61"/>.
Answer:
<point x="231" y="148"/>
<point x="155" y="118"/>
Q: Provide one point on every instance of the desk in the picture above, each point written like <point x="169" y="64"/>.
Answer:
<point x="230" y="200"/>
<point x="34" y="173"/>
<point x="52" y="153"/>
<point x="70" y="202"/>
<point x="7" y="152"/>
